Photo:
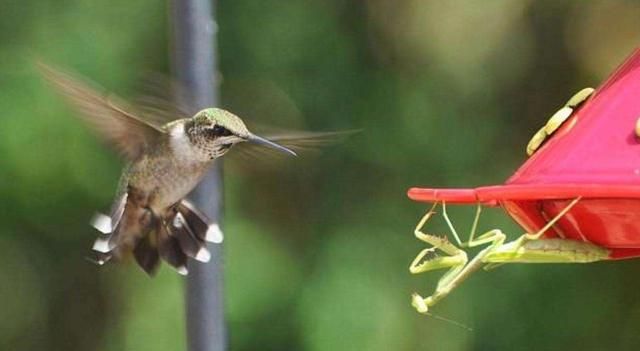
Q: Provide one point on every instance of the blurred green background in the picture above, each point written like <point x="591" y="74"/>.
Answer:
<point x="317" y="248"/>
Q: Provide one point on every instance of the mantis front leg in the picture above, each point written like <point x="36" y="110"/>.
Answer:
<point x="457" y="262"/>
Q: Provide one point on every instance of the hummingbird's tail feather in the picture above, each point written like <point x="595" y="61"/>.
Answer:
<point x="120" y="233"/>
<point x="104" y="243"/>
<point x="99" y="258"/>
<point x="117" y="209"/>
<point x="108" y="226"/>
<point x="192" y="245"/>
<point x="199" y="223"/>
<point x="107" y="247"/>
<point x="146" y="255"/>
<point x="170" y="250"/>
<point x="180" y="233"/>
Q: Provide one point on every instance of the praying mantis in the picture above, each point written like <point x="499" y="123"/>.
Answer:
<point x="528" y="248"/>
<point x="577" y="195"/>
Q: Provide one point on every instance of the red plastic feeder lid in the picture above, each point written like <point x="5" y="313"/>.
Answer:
<point x="595" y="155"/>
<point x="493" y="195"/>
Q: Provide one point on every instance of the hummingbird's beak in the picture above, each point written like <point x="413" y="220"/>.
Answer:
<point x="262" y="141"/>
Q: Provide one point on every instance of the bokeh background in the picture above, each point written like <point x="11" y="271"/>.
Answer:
<point x="317" y="248"/>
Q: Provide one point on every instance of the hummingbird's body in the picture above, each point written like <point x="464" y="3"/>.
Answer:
<point x="150" y="216"/>
<point x="162" y="176"/>
<point x="169" y="170"/>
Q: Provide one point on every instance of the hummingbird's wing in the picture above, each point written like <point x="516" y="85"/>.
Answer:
<point x="162" y="99"/>
<point x="308" y="141"/>
<point x="298" y="141"/>
<point x="109" y="116"/>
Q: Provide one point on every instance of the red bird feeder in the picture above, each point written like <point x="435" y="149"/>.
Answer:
<point x="579" y="190"/>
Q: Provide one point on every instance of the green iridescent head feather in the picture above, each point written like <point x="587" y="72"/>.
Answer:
<point x="223" y="118"/>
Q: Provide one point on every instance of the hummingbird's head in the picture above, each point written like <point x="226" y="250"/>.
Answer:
<point x="216" y="131"/>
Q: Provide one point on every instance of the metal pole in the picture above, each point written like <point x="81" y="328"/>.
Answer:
<point x="195" y="66"/>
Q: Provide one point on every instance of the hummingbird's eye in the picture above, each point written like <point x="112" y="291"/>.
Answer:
<point x="220" y="131"/>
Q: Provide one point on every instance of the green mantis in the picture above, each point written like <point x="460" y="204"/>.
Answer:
<point x="528" y="248"/>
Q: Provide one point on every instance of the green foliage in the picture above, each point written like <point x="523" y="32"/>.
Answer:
<point x="317" y="249"/>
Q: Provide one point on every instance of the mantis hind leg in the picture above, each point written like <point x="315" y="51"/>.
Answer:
<point x="537" y="235"/>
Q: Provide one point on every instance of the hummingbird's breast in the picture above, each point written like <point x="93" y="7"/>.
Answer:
<point x="166" y="180"/>
<point x="166" y="176"/>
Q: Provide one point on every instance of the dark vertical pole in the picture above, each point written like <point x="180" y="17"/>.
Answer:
<point x="194" y="47"/>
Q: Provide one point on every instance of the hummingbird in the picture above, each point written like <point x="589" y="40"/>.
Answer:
<point x="150" y="216"/>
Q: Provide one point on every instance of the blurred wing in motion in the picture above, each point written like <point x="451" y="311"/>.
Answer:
<point x="162" y="99"/>
<point x="106" y="114"/>
<point x="299" y="141"/>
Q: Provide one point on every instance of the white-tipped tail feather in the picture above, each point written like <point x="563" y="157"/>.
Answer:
<point x="102" y="245"/>
<point x="179" y="235"/>
<point x="203" y="255"/>
<point x="214" y="234"/>
<point x="102" y="223"/>
<point x="182" y="270"/>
